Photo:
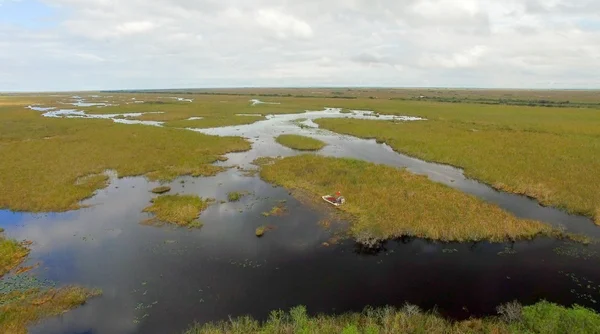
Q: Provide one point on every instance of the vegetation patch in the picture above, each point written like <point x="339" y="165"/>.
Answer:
<point x="387" y="202"/>
<point x="262" y="161"/>
<point x="235" y="196"/>
<point x="545" y="153"/>
<point x="278" y="210"/>
<point x="215" y="122"/>
<point x="18" y="310"/>
<point x="42" y="175"/>
<point x="542" y="317"/>
<point x="161" y="189"/>
<point x="261" y="230"/>
<point x="181" y="210"/>
<point x="301" y="143"/>
<point x="12" y="253"/>
<point x="23" y="299"/>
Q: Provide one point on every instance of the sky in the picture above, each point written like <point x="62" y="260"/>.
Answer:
<point x="56" y="45"/>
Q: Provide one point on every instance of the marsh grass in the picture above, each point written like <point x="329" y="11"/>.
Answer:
<point x="277" y="211"/>
<point x="260" y="231"/>
<point x="235" y="196"/>
<point x="54" y="175"/>
<point x="386" y="202"/>
<point x="29" y="303"/>
<point x="301" y="143"/>
<point x="542" y="317"/>
<point x="161" y="190"/>
<point x="12" y="253"/>
<point x="18" y="310"/>
<point x="181" y="210"/>
<point x="544" y="153"/>
<point x="215" y="122"/>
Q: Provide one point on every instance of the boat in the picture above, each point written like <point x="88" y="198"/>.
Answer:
<point x="337" y="201"/>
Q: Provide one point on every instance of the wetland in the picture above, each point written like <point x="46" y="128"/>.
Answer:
<point x="81" y="189"/>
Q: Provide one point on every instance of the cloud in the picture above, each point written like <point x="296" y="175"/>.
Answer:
<point x="283" y="25"/>
<point x="103" y="44"/>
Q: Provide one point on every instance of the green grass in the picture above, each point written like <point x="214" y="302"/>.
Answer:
<point x="386" y="202"/>
<point x="18" y="310"/>
<point x="298" y="142"/>
<point x="545" y="153"/>
<point x="277" y="211"/>
<point x="235" y="196"/>
<point x="260" y="231"/>
<point x="542" y="317"/>
<point x="44" y="160"/>
<point x="12" y="253"/>
<point x="181" y="210"/>
<point x="161" y="190"/>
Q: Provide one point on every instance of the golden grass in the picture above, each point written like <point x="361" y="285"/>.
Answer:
<point x="545" y="153"/>
<point x="39" y="174"/>
<point x="181" y="210"/>
<point x="301" y="143"/>
<point x="388" y="202"/>
<point x="18" y="310"/>
<point x="12" y="253"/>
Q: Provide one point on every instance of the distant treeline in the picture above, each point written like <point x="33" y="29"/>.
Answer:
<point x="335" y="96"/>
<point x="502" y="101"/>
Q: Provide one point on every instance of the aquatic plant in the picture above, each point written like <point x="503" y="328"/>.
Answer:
<point x="278" y="210"/>
<point x="301" y="143"/>
<point x="181" y="210"/>
<point x="12" y="253"/>
<point x="161" y="189"/>
<point x="20" y="309"/>
<point x="260" y="231"/>
<point x="235" y="196"/>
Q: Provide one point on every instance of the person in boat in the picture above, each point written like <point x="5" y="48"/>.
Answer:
<point x="339" y="199"/>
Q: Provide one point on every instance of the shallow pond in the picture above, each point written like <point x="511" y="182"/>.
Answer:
<point x="162" y="279"/>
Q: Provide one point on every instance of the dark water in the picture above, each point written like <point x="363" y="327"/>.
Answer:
<point x="162" y="279"/>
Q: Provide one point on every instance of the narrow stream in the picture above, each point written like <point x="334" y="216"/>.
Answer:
<point x="162" y="279"/>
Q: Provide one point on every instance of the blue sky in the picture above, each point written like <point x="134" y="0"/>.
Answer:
<point x="54" y="45"/>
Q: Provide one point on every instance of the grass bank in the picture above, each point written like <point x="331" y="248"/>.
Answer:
<point x="45" y="161"/>
<point x="18" y="310"/>
<point x="12" y="253"/>
<point x="182" y="210"/>
<point x="23" y="304"/>
<point x="387" y="202"/>
<point x="542" y="317"/>
<point x="545" y="153"/>
<point x="301" y="143"/>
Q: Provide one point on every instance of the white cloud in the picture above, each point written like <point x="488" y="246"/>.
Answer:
<point x="103" y="44"/>
<point x="282" y="24"/>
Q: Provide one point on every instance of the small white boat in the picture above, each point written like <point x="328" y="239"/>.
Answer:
<point x="337" y="201"/>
